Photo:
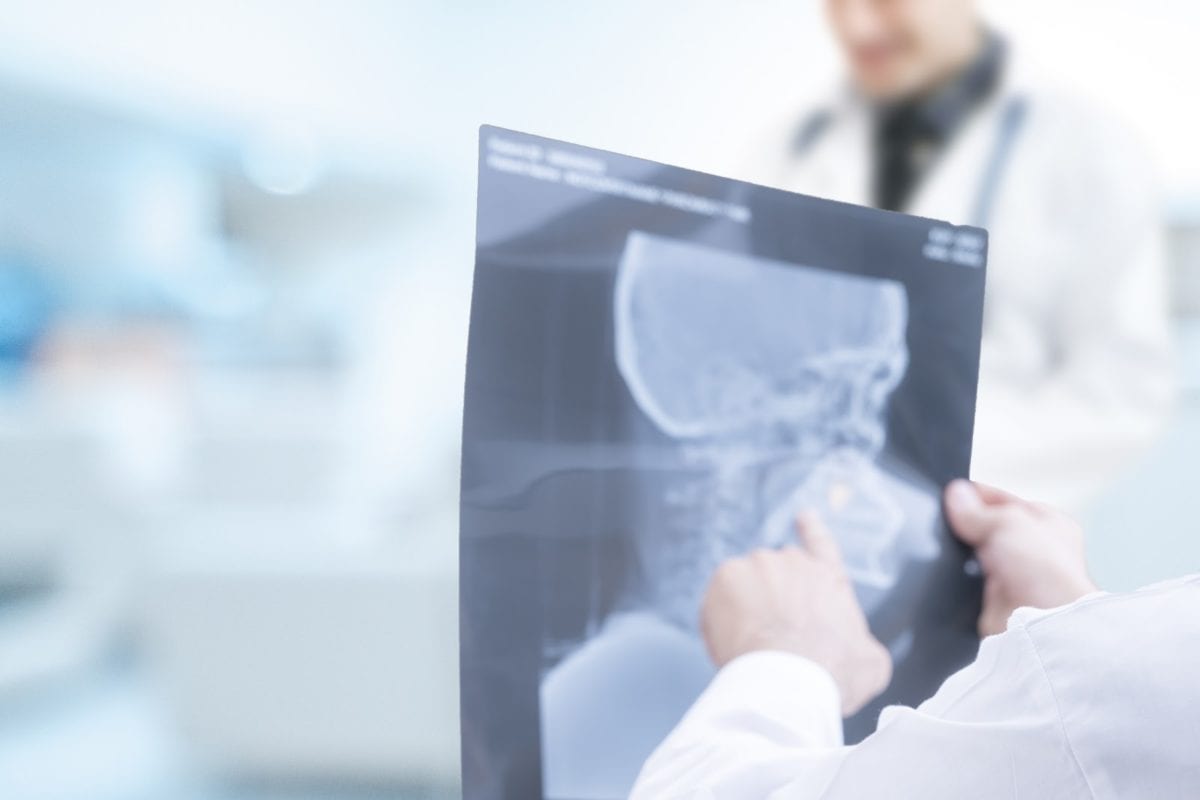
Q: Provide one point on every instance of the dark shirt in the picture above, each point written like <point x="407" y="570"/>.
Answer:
<point x="910" y="134"/>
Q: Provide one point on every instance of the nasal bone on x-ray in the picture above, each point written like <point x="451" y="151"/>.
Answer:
<point x="780" y="370"/>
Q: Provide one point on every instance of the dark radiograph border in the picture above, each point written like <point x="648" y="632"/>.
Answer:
<point x="557" y="456"/>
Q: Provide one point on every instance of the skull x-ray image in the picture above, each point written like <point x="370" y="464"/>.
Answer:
<point x="771" y="373"/>
<point x="664" y="369"/>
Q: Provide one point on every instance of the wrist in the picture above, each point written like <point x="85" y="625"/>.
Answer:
<point x="1071" y="586"/>
<point x="788" y="687"/>
<point x="1083" y="586"/>
<point x="860" y="669"/>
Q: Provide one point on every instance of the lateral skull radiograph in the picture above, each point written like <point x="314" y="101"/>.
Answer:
<point x="774" y="380"/>
<point x="665" y="368"/>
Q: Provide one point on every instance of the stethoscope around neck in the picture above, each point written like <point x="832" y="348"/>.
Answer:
<point x="1012" y="120"/>
<point x="1008" y="130"/>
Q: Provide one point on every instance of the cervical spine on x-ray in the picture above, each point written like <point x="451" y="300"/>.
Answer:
<point x="774" y="380"/>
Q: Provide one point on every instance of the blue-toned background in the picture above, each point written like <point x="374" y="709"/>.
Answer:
<point x="236" y="242"/>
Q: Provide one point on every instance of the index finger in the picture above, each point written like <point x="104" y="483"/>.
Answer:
<point x="817" y="539"/>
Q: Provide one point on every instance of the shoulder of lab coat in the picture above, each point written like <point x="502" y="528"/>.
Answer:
<point x="1095" y="699"/>
<point x="833" y="164"/>
<point x="1122" y="668"/>
<point x="1076" y="372"/>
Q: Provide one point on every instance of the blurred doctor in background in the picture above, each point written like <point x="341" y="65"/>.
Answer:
<point x="942" y="119"/>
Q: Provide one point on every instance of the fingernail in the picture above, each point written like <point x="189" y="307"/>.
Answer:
<point x="961" y="494"/>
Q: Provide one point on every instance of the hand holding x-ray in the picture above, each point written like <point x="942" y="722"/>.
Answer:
<point x="1031" y="555"/>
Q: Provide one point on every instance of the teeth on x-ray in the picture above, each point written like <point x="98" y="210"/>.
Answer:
<point x="845" y="491"/>
<point x="775" y="378"/>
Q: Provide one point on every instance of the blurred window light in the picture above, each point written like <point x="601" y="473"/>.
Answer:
<point x="26" y="307"/>
<point x="167" y="206"/>
<point x="283" y="160"/>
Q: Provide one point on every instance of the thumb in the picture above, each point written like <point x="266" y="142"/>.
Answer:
<point x="971" y="519"/>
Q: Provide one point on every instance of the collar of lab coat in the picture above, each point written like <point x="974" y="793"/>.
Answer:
<point x="840" y="163"/>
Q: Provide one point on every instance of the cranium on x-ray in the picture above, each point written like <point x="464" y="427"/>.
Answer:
<point x="773" y="379"/>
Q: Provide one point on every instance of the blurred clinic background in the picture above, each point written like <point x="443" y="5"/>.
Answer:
<point x="235" y="258"/>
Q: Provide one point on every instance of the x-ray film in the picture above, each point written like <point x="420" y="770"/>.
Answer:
<point x="665" y="368"/>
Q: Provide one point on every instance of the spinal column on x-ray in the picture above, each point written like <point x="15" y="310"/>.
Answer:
<point x="773" y="379"/>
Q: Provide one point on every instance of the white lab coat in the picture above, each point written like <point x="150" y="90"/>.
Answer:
<point x="1097" y="699"/>
<point x="1075" y="371"/>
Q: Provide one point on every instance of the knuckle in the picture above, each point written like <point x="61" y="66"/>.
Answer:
<point x="885" y="665"/>
<point x="726" y="571"/>
<point x="768" y="560"/>
<point x="1072" y="528"/>
<point x="1043" y="509"/>
<point x="1013" y="516"/>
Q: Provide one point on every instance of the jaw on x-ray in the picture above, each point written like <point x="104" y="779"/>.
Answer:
<point x="665" y="368"/>
<point x="772" y="381"/>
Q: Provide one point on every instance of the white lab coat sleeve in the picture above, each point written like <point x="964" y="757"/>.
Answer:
<point x="1110" y="386"/>
<point x="761" y="731"/>
<point x="766" y="720"/>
